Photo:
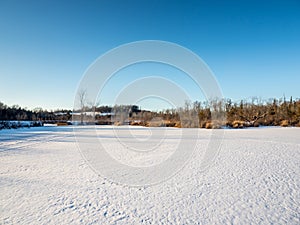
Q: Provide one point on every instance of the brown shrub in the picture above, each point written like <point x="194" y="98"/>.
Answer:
<point x="213" y="125"/>
<point x="202" y="124"/>
<point x="284" y="123"/>
<point x="238" y="124"/>
<point x="178" y="124"/>
<point x="256" y="124"/>
<point x="170" y="124"/>
<point x="117" y="123"/>
<point x="155" y="124"/>
<point x="62" y="124"/>
<point x="209" y="125"/>
<point x="137" y="123"/>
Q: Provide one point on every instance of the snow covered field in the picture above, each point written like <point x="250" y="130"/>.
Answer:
<point x="255" y="178"/>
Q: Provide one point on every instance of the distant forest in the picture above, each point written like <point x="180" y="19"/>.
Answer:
<point x="209" y="114"/>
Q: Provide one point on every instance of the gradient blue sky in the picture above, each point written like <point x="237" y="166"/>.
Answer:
<point x="253" y="47"/>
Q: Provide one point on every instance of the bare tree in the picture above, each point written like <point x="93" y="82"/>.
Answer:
<point x="82" y="101"/>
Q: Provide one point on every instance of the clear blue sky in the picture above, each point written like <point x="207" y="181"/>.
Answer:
<point x="253" y="47"/>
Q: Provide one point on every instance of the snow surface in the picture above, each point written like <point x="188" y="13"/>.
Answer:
<point x="255" y="178"/>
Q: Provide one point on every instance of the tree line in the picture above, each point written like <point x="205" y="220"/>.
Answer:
<point x="226" y="113"/>
<point x="17" y="113"/>
<point x="207" y="114"/>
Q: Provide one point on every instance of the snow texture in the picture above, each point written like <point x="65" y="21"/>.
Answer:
<point x="255" y="179"/>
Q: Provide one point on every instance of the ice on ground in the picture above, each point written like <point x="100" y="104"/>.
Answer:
<point x="255" y="178"/>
